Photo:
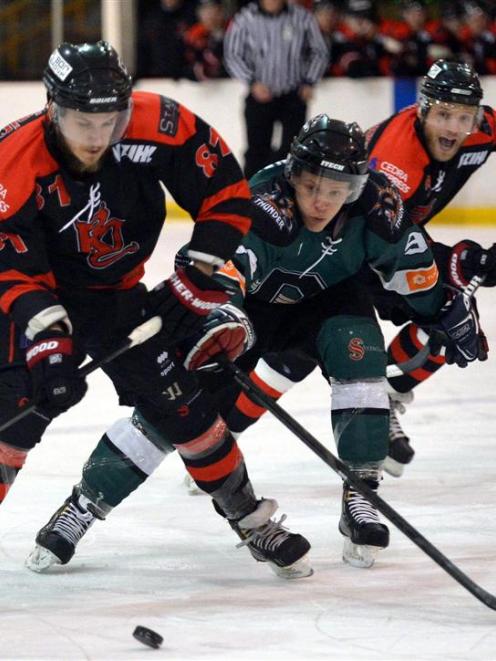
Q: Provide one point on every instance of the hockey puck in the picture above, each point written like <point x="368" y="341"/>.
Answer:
<point x="148" y="637"/>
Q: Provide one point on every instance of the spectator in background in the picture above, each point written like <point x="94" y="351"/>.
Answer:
<point x="276" y="49"/>
<point x="411" y="31"/>
<point x="478" y="38"/>
<point x="328" y="16"/>
<point x="204" y="42"/>
<point x="422" y="40"/>
<point x="359" y="49"/>
<point x="451" y="18"/>
<point x="161" y="48"/>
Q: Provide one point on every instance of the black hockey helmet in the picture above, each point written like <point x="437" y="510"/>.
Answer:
<point x="450" y="82"/>
<point x="330" y="148"/>
<point x="88" y="77"/>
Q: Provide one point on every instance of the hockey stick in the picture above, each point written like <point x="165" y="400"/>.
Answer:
<point x="139" y="335"/>
<point x="346" y="474"/>
<point x="416" y="361"/>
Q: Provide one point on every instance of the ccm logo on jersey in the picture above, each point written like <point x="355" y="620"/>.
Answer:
<point x="135" y="153"/>
<point x="473" y="158"/>
<point x="415" y="244"/>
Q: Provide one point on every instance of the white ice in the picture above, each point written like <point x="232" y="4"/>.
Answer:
<point x="165" y="560"/>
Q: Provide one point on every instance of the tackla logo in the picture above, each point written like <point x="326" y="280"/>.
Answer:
<point x="102" y="239"/>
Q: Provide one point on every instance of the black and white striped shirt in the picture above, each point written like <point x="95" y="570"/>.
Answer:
<point x="281" y="51"/>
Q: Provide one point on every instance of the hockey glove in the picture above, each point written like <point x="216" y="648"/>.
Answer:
<point x="56" y="383"/>
<point x="464" y="339"/>
<point x="468" y="259"/>
<point x="184" y="300"/>
<point x="227" y="330"/>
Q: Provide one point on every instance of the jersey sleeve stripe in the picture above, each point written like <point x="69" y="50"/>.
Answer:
<point x="238" y="190"/>
<point x="26" y="285"/>
<point x="241" y="223"/>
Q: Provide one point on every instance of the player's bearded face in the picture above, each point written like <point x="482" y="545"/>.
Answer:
<point x="319" y="199"/>
<point x="446" y="127"/>
<point x="87" y="136"/>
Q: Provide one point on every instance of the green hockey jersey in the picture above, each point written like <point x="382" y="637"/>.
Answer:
<point x="280" y="261"/>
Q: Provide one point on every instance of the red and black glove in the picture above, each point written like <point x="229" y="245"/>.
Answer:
<point x="184" y="301"/>
<point x="227" y="330"/>
<point x="53" y="366"/>
<point x="467" y="259"/>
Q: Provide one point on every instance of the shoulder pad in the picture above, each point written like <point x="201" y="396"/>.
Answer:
<point x="274" y="214"/>
<point x="266" y="178"/>
<point x="273" y="206"/>
<point x="488" y="121"/>
<point x="383" y="208"/>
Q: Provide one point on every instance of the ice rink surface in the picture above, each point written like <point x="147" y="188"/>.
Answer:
<point x="165" y="560"/>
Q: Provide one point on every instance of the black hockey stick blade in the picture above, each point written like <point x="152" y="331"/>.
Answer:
<point x="139" y="335"/>
<point x="344" y="472"/>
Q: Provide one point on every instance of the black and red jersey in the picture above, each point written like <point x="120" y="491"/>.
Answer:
<point x="63" y="231"/>
<point x="397" y="148"/>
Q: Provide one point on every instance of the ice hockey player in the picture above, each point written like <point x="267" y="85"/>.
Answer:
<point x="318" y="217"/>
<point x="82" y="206"/>
<point x="428" y="151"/>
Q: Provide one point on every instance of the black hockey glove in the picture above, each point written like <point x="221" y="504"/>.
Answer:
<point x="227" y="330"/>
<point x="468" y="259"/>
<point x="184" y="300"/>
<point x="463" y="338"/>
<point x="56" y="383"/>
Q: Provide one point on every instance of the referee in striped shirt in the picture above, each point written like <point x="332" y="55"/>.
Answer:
<point x="277" y="49"/>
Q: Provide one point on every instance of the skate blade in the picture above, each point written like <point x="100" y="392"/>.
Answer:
<point x="191" y="487"/>
<point x="41" y="559"/>
<point x="359" y="555"/>
<point x="393" y="467"/>
<point x="299" y="569"/>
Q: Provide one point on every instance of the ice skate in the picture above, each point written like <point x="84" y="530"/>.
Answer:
<point x="364" y="534"/>
<point x="400" y="452"/>
<point x="268" y="541"/>
<point x="56" y="542"/>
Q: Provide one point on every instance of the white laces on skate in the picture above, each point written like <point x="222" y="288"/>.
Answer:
<point x="360" y="508"/>
<point x="269" y="536"/>
<point x="395" y="430"/>
<point x="72" y="523"/>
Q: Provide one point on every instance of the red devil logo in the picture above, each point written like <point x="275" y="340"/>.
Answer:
<point x="101" y="238"/>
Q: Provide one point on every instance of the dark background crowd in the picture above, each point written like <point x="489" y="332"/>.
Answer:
<point x="184" y="38"/>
